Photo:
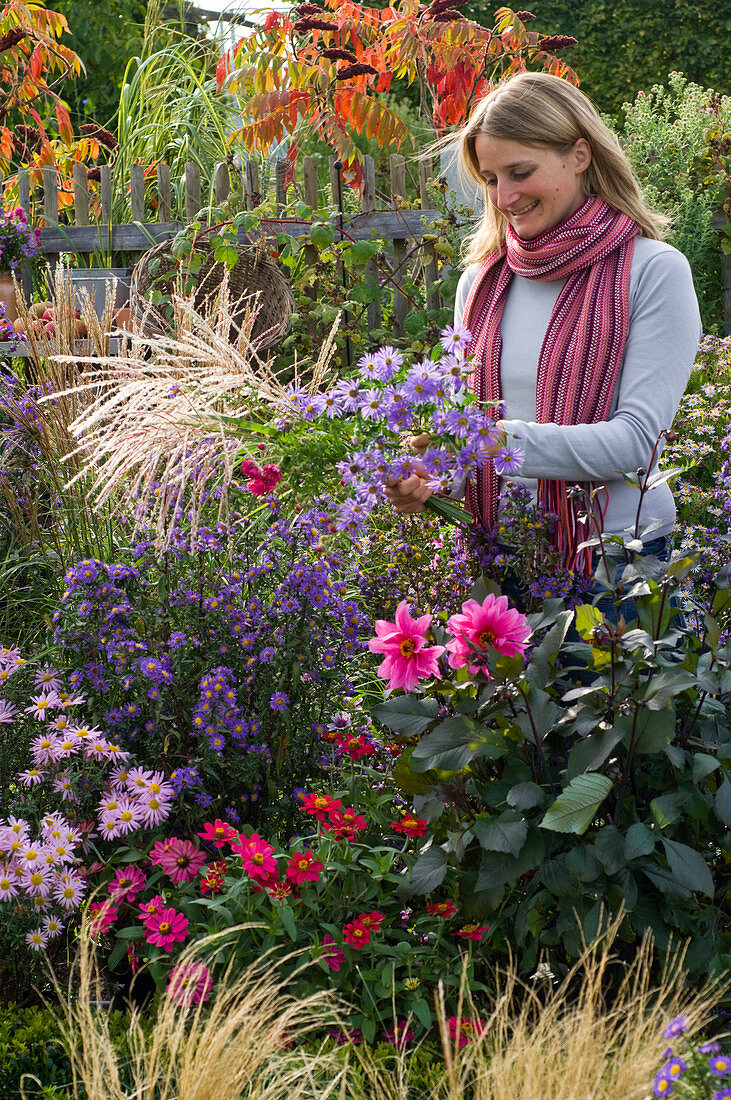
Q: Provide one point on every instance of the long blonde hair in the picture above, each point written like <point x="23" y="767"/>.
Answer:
<point x="540" y="110"/>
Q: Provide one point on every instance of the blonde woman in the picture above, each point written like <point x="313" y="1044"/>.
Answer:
<point x="583" y="321"/>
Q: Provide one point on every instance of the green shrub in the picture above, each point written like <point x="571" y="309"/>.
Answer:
<point x="666" y="139"/>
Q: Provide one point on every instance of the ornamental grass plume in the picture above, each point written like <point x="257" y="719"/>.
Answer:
<point x="172" y="415"/>
<point x="203" y="1043"/>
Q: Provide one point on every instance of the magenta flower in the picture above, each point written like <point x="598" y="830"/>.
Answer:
<point x="165" y="928"/>
<point x="407" y="658"/>
<point x="189" y="984"/>
<point x="467" y="1030"/>
<point x="303" y="867"/>
<point x="102" y="915"/>
<point x="256" y="856"/>
<point x="332" y="955"/>
<point x="127" y="883"/>
<point x="491" y="623"/>
<point x="180" y="860"/>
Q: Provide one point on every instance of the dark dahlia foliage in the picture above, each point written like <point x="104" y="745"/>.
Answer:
<point x="219" y="664"/>
<point x="594" y="779"/>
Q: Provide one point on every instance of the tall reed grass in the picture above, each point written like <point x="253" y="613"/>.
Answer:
<point x="567" y="1040"/>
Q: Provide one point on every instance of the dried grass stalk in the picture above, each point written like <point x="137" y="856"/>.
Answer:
<point x="235" y="1045"/>
<point x="169" y="415"/>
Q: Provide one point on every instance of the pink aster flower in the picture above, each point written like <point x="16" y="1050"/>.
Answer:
<point x="407" y="658"/>
<point x="7" y="712"/>
<point x="332" y="955"/>
<point x="256" y="856"/>
<point x="491" y="623"/>
<point x="189" y="984"/>
<point x="165" y="928"/>
<point x="69" y="891"/>
<point x="42" y="705"/>
<point x="127" y="883"/>
<point x="181" y="861"/>
<point x="303" y="867"/>
<point x="8" y="884"/>
<point x="37" y="939"/>
<point x="153" y="810"/>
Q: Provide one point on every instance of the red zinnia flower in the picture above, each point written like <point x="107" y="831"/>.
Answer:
<point x="303" y="867"/>
<point x="467" y="1030"/>
<point x="472" y="931"/>
<point x="372" y="921"/>
<point x="346" y="823"/>
<point x="356" y="934"/>
<point x="442" y="908"/>
<point x="319" y="805"/>
<point x="410" y="825"/>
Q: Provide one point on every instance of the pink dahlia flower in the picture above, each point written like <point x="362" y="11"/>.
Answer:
<point x="189" y="984"/>
<point x="488" y="624"/>
<point x="165" y="928"/>
<point x="406" y="656"/>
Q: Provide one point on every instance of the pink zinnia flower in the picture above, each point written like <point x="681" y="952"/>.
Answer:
<point x="181" y="861"/>
<point x="332" y="955"/>
<point x="102" y="915"/>
<point x="442" y="909"/>
<point x="152" y="907"/>
<point x="303" y="867"/>
<point x="256" y="856"/>
<point x="346" y="823"/>
<point x="400" y="1034"/>
<point x="407" y="658"/>
<point x="218" y="832"/>
<point x="127" y="883"/>
<point x="189" y="984"/>
<point x="165" y="928"/>
<point x="467" y="1030"/>
<point x="491" y="623"/>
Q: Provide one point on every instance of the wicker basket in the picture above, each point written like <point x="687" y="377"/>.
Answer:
<point x="253" y="274"/>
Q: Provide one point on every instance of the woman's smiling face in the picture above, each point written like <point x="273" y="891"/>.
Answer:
<point x="534" y="187"/>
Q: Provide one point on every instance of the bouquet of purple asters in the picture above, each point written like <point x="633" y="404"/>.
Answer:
<point x="18" y="242"/>
<point x="375" y="413"/>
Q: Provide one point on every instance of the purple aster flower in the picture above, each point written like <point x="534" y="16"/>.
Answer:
<point x="458" y="421"/>
<point x="675" y="1027"/>
<point x="387" y="362"/>
<point x="710" y="1048"/>
<point x="722" y="1094"/>
<point x="455" y="338"/>
<point x="332" y="404"/>
<point x="508" y="459"/>
<point x="371" y="405"/>
<point x="279" y="701"/>
<point x="719" y="1065"/>
<point x="349" y="392"/>
<point x="662" y="1085"/>
<point x="417" y="388"/>
<point x="674" y="1068"/>
<point x="311" y="406"/>
<point x="368" y="365"/>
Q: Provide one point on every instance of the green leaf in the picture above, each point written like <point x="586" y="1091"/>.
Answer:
<point x="407" y="714"/>
<point x="667" y="809"/>
<point x="587" y="620"/>
<point x="429" y="870"/>
<point x="703" y="765"/>
<point x="723" y="802"/>
<point x="452" y="745"/>
<point x="609" y="847"/>
<point x="321" y="236"/>
<point x="639" y="841"/>
<point x="592" y="751"/>
<point x="689" y="867"/>
<point x="542" y="656"/>
<point x="576" y="807"/>
<point x="421" y="1010"/>
<point x="497" y="869"/>
<point x="664" y="685"/>
<point x="506" y="833"/>
<point x="286" y="916"/>
<point x="411" y="782"/>
<point x="650" y="732"/>
<point x="524" y="796"/>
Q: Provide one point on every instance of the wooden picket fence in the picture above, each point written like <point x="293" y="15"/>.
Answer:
<point x="400" y="228"/>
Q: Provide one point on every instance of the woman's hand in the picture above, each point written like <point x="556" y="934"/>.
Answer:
<point x="411" y="494"/>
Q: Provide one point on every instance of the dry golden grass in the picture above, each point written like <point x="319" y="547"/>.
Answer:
<point x="562" y="1041"/>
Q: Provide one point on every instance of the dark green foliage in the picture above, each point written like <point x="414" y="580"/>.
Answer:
<point x="559" y="797"/>
<point x="627" y="46"/>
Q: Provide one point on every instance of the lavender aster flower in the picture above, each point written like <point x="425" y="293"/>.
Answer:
<point x="676" y="1027"/>
<point x="508" y="459"/>
<point x="279" y="701"/>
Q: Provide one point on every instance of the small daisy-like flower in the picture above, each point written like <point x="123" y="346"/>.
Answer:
<point x="411" y="826"/>
<point x="303" y="867"/>
<point x="356" y="934"/>
<point x="719" y="1065"/>
<point x="279" y="701"/>
<point x="662" y="1085"/>
<point x="676" y="1027"/>
<point x="37" y="939"/>
<point x="471" y="931"/>
<point x="442" y="908"/>
<point x="166" y="928"/>
<point x="218" y="833"/>
<point x="189" y="984"/>
<point x="53" y="927"/>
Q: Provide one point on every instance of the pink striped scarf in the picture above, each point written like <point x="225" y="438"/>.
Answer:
<point x="582" y="350"/>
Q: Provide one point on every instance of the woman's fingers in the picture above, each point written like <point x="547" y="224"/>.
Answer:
<point x="409" y="495"/>
<point x="420" y="443"/>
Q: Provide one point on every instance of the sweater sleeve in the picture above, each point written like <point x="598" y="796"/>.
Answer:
<point x="663" y="337"/>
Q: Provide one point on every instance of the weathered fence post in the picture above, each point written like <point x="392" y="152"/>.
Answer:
<point x="164" y="193"/>
<point x="400" y="244"/>
<point x="429" y="261"/>
<point x="50" y="206"/>
<point x="137" y="192"/>
<point x="192" y="191"/>
<point x="253" y="187"/>
<point x="81" y="195"/>
<point x="373" y="309"/>
<point x="280" y="183"/>
<point x="221" y="183"/>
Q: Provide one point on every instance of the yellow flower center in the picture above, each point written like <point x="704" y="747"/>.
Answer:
<point x="407" y="648"/>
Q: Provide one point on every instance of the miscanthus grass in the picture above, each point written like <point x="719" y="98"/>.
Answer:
<point x="595" y="1035"/>
<point x="171" y="416"/>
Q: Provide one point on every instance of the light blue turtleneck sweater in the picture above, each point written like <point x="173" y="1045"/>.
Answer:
<point x="663" y="337"/>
